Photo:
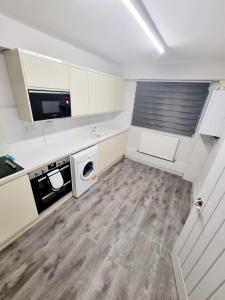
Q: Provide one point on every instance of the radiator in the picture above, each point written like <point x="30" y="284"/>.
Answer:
<point x="158" y="145"/>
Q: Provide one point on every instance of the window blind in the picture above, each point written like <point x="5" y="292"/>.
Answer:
<point x="169" y="106"/>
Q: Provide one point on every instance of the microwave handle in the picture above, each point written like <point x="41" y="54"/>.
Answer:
<point x="48" y="92"/>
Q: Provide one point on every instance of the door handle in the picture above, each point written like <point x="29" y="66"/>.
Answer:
<point x="198" y="203"/>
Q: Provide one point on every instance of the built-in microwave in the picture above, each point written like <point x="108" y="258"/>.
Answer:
<point x="49" y="104"/>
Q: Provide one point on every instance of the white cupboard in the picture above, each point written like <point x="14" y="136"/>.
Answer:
<point x="213" y="121"/>
<point x="92" y="92"/>
<point x="17" y="207"/>
<point x="116" y="94"/>
<point x="99" y="90"/>
<point x="44" y="73"/>
<point x="79" y="91"/>
<point x="111" y="150"/>
<point x="105" y="93"/>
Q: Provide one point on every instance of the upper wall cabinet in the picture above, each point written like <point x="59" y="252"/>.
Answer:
<point x="99" y="95"/>
<point x="117" y="86"/>
<point x="105" y="93"/>
<point x="213" y="121"/>
<point x="91" y="92"/>
<point x="46" y="73"/>
<point x="79" y="91"/>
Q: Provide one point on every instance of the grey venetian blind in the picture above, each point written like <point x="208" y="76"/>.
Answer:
<point x="169" y="106"/>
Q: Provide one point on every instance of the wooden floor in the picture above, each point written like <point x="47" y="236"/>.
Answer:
<point x="113" y="243"/>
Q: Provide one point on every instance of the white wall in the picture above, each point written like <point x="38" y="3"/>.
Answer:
<point x="182" y="71"/>
<point x="12" y="129"/>
<point x="191" y="154"/>
<point x="181" y="158"/>
<point x="183" y="151"/>
<point x="14" y="34"/>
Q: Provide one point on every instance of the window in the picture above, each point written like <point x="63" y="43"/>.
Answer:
<point x="169" y="106"/>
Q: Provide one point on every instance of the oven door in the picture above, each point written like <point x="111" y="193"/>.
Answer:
<point x="44" y="194"/>
<point x="49" y="104"/>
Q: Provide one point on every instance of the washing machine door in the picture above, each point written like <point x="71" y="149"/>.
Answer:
<point x="87" y="170"/>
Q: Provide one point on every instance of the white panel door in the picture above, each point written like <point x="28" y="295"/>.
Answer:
<point x="79" y="90"/>
<point x="41" y="72"/>
<point x="199" y="253"/>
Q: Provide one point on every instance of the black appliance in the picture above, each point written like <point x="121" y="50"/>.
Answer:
<point x="8" y="167"/>
<point x="49" y="104"/>
<point x="45" y="194"/>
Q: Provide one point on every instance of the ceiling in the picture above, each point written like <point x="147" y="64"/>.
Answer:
<point x="193" y="30"/>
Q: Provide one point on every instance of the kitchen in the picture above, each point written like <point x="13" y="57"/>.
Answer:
<point x="100" y="164"/>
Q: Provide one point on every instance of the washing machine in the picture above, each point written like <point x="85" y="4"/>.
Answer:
<point x="83" y="169"/>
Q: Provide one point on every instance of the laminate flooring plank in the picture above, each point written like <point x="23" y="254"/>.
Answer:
<point x="113" y="243"/>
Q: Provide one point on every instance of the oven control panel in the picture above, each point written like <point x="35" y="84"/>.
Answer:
<point x="45" y="169"/>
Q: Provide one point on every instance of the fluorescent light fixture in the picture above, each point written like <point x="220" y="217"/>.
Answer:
<point x="143" y="25"/>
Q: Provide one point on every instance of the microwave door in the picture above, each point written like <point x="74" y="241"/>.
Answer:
<point x="49" y="105"/>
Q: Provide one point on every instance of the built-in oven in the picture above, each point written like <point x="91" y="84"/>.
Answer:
<point x="50" y="183"/>
<point x="49" y="104"/>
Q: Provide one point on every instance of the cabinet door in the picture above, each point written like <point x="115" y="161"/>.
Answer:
<point x="79" y="90"/>
<point x="41" y="72"/>
<point x="99" y="93"/>
<point x="116" y="99"/>
<point x="105" y="93"/>
<point x="110" y="151"/>
<point x="17" y="207"/>
<point x="213" y="122"/>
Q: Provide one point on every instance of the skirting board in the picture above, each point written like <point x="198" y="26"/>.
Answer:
<point x="176" y="168"/>
<point x="110" y="165"/>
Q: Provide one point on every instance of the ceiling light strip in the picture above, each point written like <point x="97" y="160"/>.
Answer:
<point x="144" y="26"/>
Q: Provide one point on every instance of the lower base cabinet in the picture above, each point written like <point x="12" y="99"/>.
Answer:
<point x="17" y="204"/>
<point x="111" y="150"/>
<point x="17" y="207"/>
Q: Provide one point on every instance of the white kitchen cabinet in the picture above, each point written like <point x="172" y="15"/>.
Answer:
<point x="109" y="151"/>
<point x="105" y="93"/>
<point x="17" y="207"/>
<point x="79" y="91"/>
<point x="213" y="121"/>
<point x="92" y="92"/>
<point x="99" y="99"/>
<point x="42" y="72"/>
<point x="116" y="96"/>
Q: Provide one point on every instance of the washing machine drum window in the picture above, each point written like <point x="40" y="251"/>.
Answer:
<point x="88" y="169"/>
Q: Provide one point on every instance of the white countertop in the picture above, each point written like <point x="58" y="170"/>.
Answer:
<point x="34" y="153"/>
